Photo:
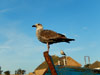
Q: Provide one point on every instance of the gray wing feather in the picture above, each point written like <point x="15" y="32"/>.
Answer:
<point x="49" y="34"/>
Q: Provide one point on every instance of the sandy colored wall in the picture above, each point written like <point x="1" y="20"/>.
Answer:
<point x="40" y="72"/>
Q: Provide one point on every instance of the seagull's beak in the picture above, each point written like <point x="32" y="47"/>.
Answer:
<point x="33" y="25"/>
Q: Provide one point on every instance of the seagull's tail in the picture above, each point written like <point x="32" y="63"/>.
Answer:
<point x="68" y="40"/>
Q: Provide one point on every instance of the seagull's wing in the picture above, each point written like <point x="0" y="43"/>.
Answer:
<point x="49" y="34"/>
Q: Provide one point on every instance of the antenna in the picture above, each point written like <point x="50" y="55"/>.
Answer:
<point x="88" y="59"/>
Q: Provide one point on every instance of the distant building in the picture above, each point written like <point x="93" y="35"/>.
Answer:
<point x="41" y="69"/>
<point x="95" y="65"/>
<point x="69" y="62"/>
<point x="0" y="71"/>
<point x="31" y="73"/>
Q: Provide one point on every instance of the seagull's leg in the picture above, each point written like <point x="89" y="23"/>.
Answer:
<point x="48" y="47"/>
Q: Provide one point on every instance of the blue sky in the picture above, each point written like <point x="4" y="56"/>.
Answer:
<point x="19" y="47"/>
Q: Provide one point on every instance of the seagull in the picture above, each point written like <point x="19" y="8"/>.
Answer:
<point x="62" y="52"/>
<point x="50" y="37"/>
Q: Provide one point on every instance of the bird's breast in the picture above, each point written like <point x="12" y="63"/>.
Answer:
<point x="40" y="38"/>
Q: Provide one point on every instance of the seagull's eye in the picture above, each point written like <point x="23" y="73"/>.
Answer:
<point x="39" y="24"/>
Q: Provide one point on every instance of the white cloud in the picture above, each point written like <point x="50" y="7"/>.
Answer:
<point x="18" y="41"/>
<point x="4" y="47"/>
<point x="74" y="49"/>
<point x="4" y="10"/>
<point x="19" y="48"/>
<point x="76" y="35"/>
<point x="84" y="28"/>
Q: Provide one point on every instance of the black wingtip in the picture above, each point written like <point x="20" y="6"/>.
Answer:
<point x="73" y="40"/>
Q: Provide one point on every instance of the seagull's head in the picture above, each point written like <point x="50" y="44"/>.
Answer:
<point x="38" y="26"/>
<point x="62" y="52"/>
